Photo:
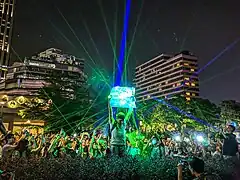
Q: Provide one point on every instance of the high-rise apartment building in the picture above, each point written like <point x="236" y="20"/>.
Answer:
<point x="6" y="19"/>
<point x="167" y="75"/>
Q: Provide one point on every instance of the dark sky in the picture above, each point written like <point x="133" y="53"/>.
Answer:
<point x="204" y="27"/>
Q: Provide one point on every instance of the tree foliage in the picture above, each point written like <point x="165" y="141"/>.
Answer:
<point x="177" y="113"/>
<point x="64" y="103"/>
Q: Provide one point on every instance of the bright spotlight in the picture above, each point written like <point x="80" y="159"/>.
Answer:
<point x="200" y="138"/>
<point x="177" y="138"/>
<point x="186" y="139"/>
<point x="75" y="135"/>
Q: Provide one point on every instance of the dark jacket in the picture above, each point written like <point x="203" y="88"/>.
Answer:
<point x="230" y="145"/>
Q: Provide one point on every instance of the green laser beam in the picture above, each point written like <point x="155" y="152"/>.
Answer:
<point x="115" y="39"/>
<point x="80" y="42"/>
<point x="49" y="98"/>
<point x="92" y="41"/>
<point x="107" y="28"/>
<point x="92" y="104"/>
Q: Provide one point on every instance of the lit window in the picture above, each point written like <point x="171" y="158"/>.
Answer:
<point x="188" y="98"/>
<point x="178" y="65"/>
<point x="193" y="94"/>
<point x="186" y="78"/>
<point x="187" y="93"/>
<point x="193" y="84"/>
<point x="186" y="64"/>
<point x="192" y="70"/>
<point x="187" y="83"/>
<point x="174" y="85"/>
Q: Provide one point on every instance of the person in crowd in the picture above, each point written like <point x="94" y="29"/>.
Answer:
<point x="155" y="151"/>
<point x="196" y="167"/>
<point x="85" y="145"/>
<point x="118" y="131"/>
<point x="230" y="145"/>
<point x="118" y="135"/>
<point x="9" y="147"/>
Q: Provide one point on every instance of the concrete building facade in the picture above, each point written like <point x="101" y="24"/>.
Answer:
<point x="167" y="75"/>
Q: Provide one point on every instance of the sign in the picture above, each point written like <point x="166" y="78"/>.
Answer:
<point x="122" y="97"/>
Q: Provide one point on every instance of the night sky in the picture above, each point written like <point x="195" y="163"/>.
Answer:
<point x="204" y="27"/>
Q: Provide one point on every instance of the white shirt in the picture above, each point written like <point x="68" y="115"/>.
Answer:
<point x="118" y="134"/>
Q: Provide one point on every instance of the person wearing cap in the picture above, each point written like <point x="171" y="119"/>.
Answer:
<point x="230" y="145"/>
<point x="118" y="131"/>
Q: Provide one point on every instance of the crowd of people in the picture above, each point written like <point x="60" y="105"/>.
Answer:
<point x="97" y="145"/>
<point x="124" y="142"/>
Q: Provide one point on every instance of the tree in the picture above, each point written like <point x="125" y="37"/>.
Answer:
<point x="230" y="111"/>
<point x="177" y="114"/>
<point x="206" y="110"/>
<point x="64" y="104"/>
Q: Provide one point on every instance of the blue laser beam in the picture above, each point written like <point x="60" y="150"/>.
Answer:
<point x="123" y="45"/>
<point x="149" y="111"/>
<point x="189" y="115"/>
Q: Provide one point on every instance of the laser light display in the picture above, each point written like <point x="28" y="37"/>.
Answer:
<point x="122" y="97"/>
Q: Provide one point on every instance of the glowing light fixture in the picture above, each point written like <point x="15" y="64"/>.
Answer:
<point x="5" y="98"/>
<point x="12" y="104"/>
<point x="122" y="97"/>
<point x="20" y="100"/>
